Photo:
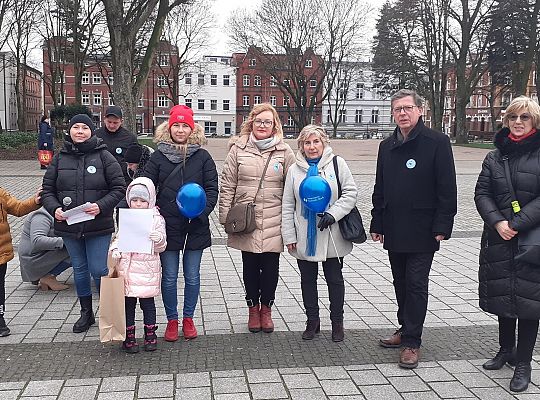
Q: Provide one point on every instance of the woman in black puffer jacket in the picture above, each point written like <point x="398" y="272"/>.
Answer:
<point x="510" y="288"/>
<point x="84" y="172"/>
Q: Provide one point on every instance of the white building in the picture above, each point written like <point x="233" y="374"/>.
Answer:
<point x="366" y="111"/>
<point x="209" y="88"/>
<point x="8" y="99"/>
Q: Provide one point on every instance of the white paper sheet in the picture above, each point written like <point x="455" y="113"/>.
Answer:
<point x="77" y="214"/>
<point x="133" y="230"/>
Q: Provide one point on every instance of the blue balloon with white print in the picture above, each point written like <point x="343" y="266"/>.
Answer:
<point x="315" y="193"/>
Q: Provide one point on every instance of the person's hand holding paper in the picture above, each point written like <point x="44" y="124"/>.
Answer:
<point x="135" y="226"/>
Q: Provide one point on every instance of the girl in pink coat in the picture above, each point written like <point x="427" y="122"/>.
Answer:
<point x="141" y="272"/>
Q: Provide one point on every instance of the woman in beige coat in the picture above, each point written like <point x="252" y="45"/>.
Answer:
<point x="261" y="137"/>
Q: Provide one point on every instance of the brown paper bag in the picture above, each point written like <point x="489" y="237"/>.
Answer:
<point x="112" y="309"/>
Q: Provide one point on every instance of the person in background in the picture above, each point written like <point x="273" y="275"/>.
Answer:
<point x="84" y="172"/>
<point x="10" y="205"/>
<point x="260" y="143"/>
<point x="414" y="205"/>
<point x="116" y="137"/>
<point x="42" y="255"/>
<point x="45" y="136"/>
<point x="299" y="227"/>
<point x="141" y="272"/>
<point x="179" y="159"/>
<point x="509" y="287"/>
<point x="136" y="157"/>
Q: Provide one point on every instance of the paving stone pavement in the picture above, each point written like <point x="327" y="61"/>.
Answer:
<point x="44" y="359"/>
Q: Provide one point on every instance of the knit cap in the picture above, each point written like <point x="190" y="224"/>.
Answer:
<point x="133" y="153"/>
<point x="81" y="118"/>
<point x="138" y="192"/>
<point x="181" y="114"/>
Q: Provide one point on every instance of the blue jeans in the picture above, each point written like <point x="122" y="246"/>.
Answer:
<point x="59" y="268"/>
<point x="191" y="264"/>
<point x="88" y="257"/>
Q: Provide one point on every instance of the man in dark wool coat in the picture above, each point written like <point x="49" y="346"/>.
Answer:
<point x="414" y="204"/>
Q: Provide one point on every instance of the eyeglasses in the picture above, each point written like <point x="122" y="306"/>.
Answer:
<point x="407" y="109"/>
<point x="265" y="124"/>
<point x="522" y="117"/>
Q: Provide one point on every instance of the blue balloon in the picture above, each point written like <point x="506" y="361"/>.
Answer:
<point x="191" y="200"/>
<point x="315" y="193"/>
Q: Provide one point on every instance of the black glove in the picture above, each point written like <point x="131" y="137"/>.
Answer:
<point x="326" y="221"/>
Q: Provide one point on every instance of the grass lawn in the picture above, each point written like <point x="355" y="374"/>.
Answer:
<point x="147" y="142"/>
<point x="477" y="145"/>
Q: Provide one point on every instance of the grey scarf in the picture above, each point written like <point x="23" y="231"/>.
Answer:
<point x="177" y="153"/>
<point x="263" y="144"/>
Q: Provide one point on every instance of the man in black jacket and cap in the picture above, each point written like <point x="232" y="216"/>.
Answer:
<point x="116" y="137"/>
<point x="414" y="204"/>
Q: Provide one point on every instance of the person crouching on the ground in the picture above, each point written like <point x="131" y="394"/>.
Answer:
<point x="141" y="272"/>
<point x="508" y="286"/>
<point x="42" y="254"/>
<point x="10" y="205"/>
<point x="259" y="144"/>
<point x="299" y="227"/>
<point x="179" y="159"/>
<point x="84" y="172"/>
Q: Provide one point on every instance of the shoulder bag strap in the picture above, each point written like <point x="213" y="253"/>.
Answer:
<point x="175" y="171"/>
<point x="514" y="200"/>
<point x="263" y="174"/>
<point x="336" y="171"/>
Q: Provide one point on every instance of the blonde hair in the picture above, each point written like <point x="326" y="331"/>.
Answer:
<point x="163" y="134"/>
<point x="309" y="130"/>
<point x="523" y="103"/>
<point x="247" y="125"/>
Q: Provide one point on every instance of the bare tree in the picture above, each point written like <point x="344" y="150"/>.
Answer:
<point x="285" y="34"/>
<point x="5" y="5"/>
<point x="125" y="20"/>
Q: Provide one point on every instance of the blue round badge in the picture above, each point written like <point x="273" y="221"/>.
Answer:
<point x="276" y="167"/>
<point x="91" y="169"/>
<point x="118" y="150"/>
<point x="411" y="163"/>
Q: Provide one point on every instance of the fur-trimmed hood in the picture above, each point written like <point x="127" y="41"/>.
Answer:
<point x="163" y="135"/>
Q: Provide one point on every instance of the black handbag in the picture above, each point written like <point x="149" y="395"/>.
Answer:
<point x="528" y="241"/>
<point x="350" y="226"/>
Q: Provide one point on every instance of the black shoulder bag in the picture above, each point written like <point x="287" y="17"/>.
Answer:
<point x="350" y="226"/>
<point x="528" y="241"/>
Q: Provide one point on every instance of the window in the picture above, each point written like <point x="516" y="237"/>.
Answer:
<point x="213" y="59"/>
<point x="188" y="103"/>
<point x="506" y="99"/>
<point x="210" y="127"/>
<point x="140" y="103"/>
<point x="309" y="63"/>
<point x="273" y="100"/>
<point x="226" y="79"/>
<point x="97" y="99"/>
<point x="187" y="79"/>
<point x="285" y="100"/>
<point x="162" y="101"/>
<point x="213" y="80"/>
<point x="273" y="81"/>
<point x="96" y="78"/>
<point x="257" y="80"/>
<point x="162" y="81"/>
<point x="358" y="117"/>
<point x="85" y="99"/>
<point x="213" y="104"/>
<point x="257" y="100"/>
<point x="85" y="78"/>
<point x="60" y="78"/>
<point x="163" y="60"/>
<point x="245" y="101"/>
<point x="111" y="99"/>
<point x="226" y="105"/>
<point x="252" y="62"/>
<point x="200" y="104"/>
<point x="286" y="82"/>
<point x="290" y="121"/>
<point x="227" y="128"/>
<point x="245" y="80"/>
<point x="200" y="80"/>
<point x="312" y="83"/>
<point x="342" y="116"/>
<point x="328" y="116"/>
<point x="111" y="80"/>
<point x="360" y="91"/>
<point x="374" y="116"/>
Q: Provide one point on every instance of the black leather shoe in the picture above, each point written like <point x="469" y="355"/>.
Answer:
<point x="522" y="377"/>
<point x="313" y="326"/>
<point x="87" y="315"/>
<point x="337" y="332"/>
<point x="4" y="330"/>
<point x="505" y="355"/>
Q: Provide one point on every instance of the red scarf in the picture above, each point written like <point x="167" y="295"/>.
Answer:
<point x="520" y="138"/>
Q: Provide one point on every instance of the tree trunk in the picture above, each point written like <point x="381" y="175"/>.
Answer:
<point x="461" y="118"/>
<point x="123" y="78"/>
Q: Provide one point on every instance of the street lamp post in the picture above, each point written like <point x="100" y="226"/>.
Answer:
<point x="153" y="102"/>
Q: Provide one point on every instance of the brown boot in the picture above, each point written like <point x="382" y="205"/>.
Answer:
<point x="254" y="321"/>
<point x="337" y="331"/>
<point x="408" y="357"/>
<point x="50" y="282"/>
<point x="266" y="319"/>
<point x="392" y="341"/>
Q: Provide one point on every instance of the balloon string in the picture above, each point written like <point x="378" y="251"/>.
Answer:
<point x="335" y="248"/>
<point x="185" y="241"/>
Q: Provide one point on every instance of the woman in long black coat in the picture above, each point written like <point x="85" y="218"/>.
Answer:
<point x="510" y="288"/>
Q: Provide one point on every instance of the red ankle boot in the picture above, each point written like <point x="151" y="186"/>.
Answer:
<point x="171" y="332"/>
<point x="266" y="319"/>
<point x="254" y="321"/>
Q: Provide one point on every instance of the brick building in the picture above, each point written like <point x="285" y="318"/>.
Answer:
<point x="97" y="85"/>
<point x="255" y="85"/>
